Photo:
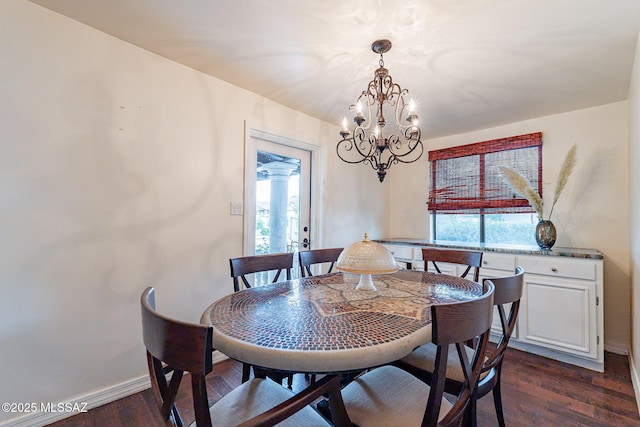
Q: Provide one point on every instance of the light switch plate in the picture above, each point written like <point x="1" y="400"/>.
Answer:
<point x="237" y="208"/>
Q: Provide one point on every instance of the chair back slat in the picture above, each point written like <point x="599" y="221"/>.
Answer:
<point x="453" y="256"/>
<point x="317" y="256"/>
<point x="242" y="266"/>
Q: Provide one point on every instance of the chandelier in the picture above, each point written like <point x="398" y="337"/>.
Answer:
<point x="369" y="142"/>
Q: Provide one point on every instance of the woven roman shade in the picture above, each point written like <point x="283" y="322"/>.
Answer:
<point x="467" y="180"/>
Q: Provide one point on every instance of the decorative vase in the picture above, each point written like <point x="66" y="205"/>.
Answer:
<point x="545" y="234"/>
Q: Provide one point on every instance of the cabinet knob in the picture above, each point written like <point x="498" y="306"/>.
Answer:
<point x="554" y="269"/>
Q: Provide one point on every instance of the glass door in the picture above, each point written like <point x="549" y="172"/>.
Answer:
<point x="282" y="201"/>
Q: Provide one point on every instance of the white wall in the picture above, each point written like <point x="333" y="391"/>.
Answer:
<point x="116" y="172"/>
<point x="634" y="218"/>
<point x="591" y="213"/>
<point x="117" y="168"/>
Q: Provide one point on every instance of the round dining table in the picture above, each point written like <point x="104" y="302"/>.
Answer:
<point x="322" y="324"/>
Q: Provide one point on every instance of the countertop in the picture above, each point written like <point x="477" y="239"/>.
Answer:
<point x="489" y="247"/>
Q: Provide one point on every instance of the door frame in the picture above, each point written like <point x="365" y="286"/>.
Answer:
<point x="317" y="174"/>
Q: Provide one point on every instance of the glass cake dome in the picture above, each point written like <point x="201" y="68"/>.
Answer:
<point x="366" y="258"/>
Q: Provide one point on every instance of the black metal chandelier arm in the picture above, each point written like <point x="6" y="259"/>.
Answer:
<point x="414" y="153"/>
<point x="394" y="144"/>
<point x="365" y="148"/>
<point x="412" y="133"/>
<point x="347" y="144"/>
<point x="373" y="162"/>
<point x="374" y="157"/>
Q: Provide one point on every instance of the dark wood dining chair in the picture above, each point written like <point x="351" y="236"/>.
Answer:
<point x="317" y="256"/>
<point x="390" y="396"/>
<point x="472" y="259"/>
<point x="179" y="347"/>
<point x="242" y="266"/>
<point x="421" y="362"/>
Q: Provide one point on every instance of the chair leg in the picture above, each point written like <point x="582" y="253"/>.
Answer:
<point x="290" y="381"/>
<point x="276" y="376"/>
<point x="246" y="372"/>
<point x="472" y="412"/>
<point x="497" y="401"/>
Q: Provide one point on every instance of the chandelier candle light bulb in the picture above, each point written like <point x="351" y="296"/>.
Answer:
<point x="359" y="118"/>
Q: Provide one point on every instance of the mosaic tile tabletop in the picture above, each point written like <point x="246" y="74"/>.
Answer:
<point x="323" y="324"/>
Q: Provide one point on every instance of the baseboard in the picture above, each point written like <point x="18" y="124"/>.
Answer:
<point x="86" y="402"/>
<point x="90" y="400"/>
<point x="635" y="378"/>
<point x="616" y="348"/>
<point x="218" y="357"/>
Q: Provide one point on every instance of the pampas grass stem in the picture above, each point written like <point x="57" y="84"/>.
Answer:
<point x="521" y="185"/>
<point x="565" y="171"/>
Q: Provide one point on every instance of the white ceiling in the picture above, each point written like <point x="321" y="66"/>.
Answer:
<point x="470" y="64"/>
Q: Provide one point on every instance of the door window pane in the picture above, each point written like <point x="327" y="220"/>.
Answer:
<point x="277" y="203"/>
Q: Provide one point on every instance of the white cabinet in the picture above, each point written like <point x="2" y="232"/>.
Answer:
<point x="403" y="254"/>
<point x="561" y="312"/>
<point x="561" y="308"/>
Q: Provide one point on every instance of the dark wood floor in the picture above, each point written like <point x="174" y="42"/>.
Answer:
<point x="536" y="392"/>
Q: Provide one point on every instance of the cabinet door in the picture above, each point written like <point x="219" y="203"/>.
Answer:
<point x="560" y="314"/>
<point x="445" y="268"/>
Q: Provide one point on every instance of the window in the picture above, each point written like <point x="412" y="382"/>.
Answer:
<point x="470" y="201"/>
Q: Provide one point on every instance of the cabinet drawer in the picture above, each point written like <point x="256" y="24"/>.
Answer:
<point x="558" y="266"/>
<point x="402" y="252"/>
<point x="498" y="261"/>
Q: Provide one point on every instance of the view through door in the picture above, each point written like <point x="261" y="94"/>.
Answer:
<point x="282" y="202"/>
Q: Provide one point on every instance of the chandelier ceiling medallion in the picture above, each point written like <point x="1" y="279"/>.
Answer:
<point x="369" y="142"/>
